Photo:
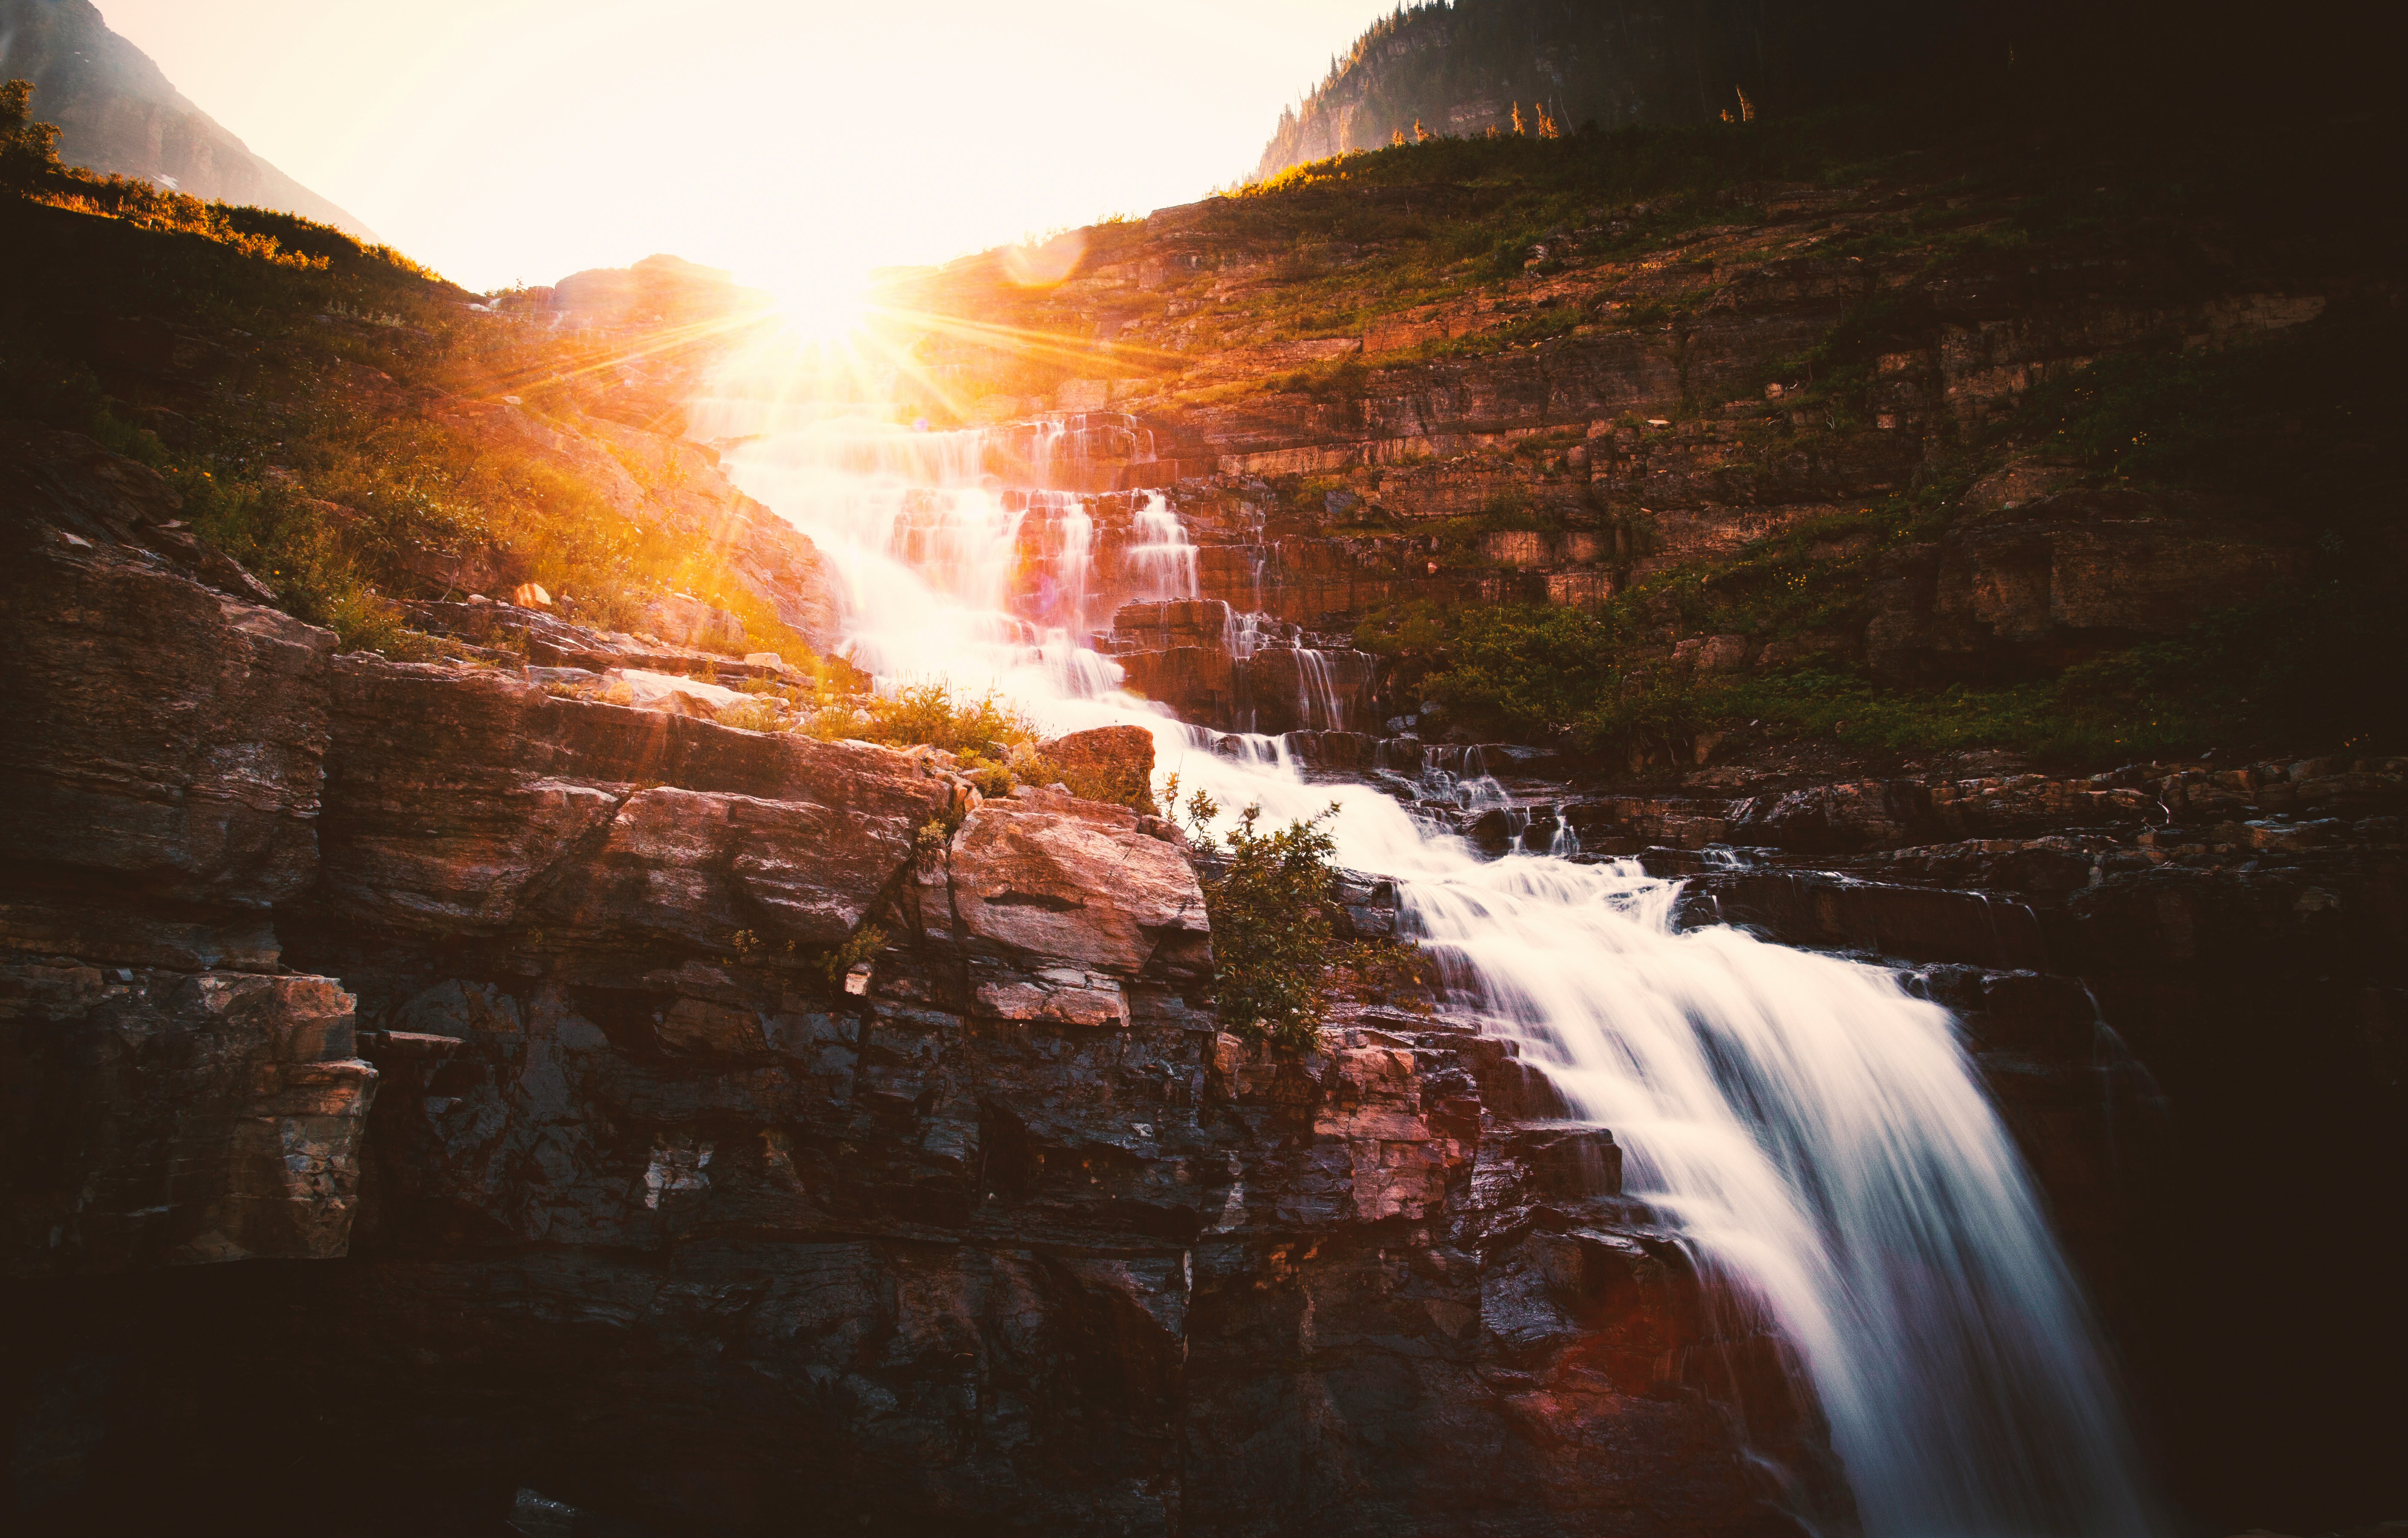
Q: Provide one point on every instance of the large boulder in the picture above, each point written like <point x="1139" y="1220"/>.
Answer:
<point x="1105" y="764"/>
<point x="1063" y="904"/>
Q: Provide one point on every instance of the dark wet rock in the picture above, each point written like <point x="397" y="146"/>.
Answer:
<point x="1822" y="910"/>
<point x="159" y="1118"/>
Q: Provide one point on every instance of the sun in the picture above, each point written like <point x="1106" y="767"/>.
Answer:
<point x="821" y="304"/>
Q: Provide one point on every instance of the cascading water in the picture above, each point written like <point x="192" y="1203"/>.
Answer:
<point x="1821" y="1137"/>
<point x="1161" y="557"/>
<point x="1818" y="1134"/>
<point x="1317" y="705"/>
<point x="1567" y="839"/>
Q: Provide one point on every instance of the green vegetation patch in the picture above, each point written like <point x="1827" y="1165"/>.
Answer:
<point x="1272" y="900"/>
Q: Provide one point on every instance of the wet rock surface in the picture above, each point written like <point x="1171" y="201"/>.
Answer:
<point x="1238" y="673"/>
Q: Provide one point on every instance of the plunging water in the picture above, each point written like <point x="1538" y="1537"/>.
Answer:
<point x="1818" y="1134"/>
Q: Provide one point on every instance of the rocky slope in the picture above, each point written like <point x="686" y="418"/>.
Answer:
<point x="1952" y="423"/>
<point x="613" y="1120"/>
<point x="119" y="114"/>
<point x="1839" y="425"/>
<point x="638" y="1200"/>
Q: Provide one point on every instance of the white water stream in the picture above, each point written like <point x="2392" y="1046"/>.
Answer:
<point x="1818" y="1134"/>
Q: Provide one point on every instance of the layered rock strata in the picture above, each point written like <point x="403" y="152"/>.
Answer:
<point x="174" y="1093"/>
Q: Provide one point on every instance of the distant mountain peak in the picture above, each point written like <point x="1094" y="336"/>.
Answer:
<point x="118" y="113"/>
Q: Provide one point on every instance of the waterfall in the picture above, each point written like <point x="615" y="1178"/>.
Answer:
<point x="1242" y="635"/>
<point x="1820" y="1136"/>
<point x="1567" y="840"/>
<point x="1822" y="1140"/>
<point x="1161" y="557"/>
<point x="1317" y="704"/>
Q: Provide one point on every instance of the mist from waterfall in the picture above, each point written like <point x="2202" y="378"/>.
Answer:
<point x="1817" y="1134"/>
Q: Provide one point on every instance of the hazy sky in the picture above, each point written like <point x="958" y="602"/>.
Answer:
<point x="507" y="139"/>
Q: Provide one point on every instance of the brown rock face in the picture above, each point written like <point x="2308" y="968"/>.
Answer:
<point x="2054" y="579"/>
<point x="1062" y="903"/>
<point x="159" y="795"/>
<point x="164" y="1119"/>
<point x="164" y="734"/>
<point x="477" y="803"/>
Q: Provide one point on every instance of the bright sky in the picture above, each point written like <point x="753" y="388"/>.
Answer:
<point x="501" y="140"/>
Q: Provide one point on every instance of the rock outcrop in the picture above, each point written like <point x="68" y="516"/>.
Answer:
<point x="174" y="1094"/>
<point x="1105" y="764"/>
<point x="1214" y="669"/>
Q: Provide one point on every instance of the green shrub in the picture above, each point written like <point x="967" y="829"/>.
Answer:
<point x="1272" y="898"/>
<point x="988" y="727"/>
<point x="862" y="944"/>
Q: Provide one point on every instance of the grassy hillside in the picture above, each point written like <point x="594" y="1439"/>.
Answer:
<point x="311" y="398"/>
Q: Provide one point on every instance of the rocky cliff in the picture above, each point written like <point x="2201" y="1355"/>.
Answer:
<point x="593" y="1114"/>
<point x="1958" y="424"/>
<point x="491" y="1087"/>
<point x="730" y="1131"/>
<point x="1713" y="437"/>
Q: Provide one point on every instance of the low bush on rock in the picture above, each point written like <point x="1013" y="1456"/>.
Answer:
<point x="1272" y="899"/>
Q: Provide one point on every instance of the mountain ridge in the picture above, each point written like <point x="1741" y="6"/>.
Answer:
<point x="118" y="112"/>
<point x="1467" y="68"/>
